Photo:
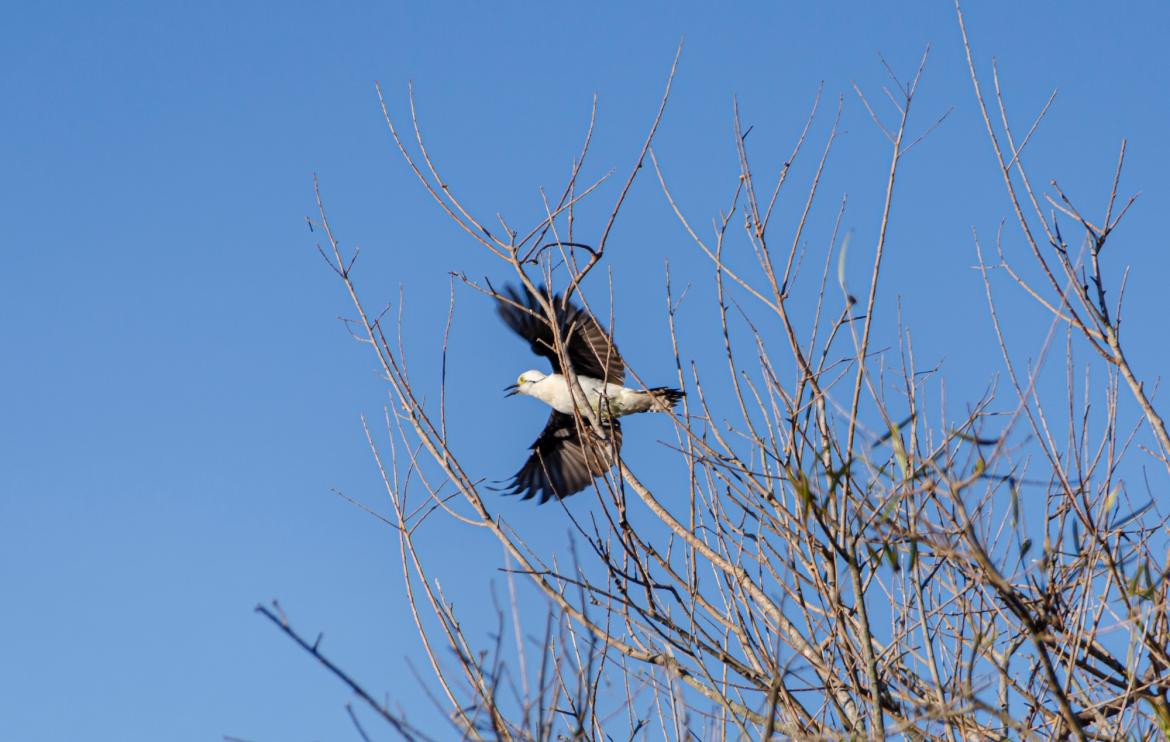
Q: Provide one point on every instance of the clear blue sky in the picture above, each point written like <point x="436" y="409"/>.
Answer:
<point x="178" y="397"/>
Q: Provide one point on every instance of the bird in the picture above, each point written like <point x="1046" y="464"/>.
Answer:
<point x="561" y="463"/>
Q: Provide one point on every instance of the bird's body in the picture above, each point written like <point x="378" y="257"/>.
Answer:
<point x="568" y="455"/>
<point x="607" y="401"/>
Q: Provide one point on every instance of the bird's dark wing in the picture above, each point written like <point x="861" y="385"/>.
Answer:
<point x="590" y="350"/>
<point x="561" y="463"/>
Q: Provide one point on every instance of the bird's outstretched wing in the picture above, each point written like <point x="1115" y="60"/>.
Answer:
<point x="590" y="349"/>
<point x="561" y="463"/>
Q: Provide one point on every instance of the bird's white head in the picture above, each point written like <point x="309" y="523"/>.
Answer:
<point x="525" y="382"/>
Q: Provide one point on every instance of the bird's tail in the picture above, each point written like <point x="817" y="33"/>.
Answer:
<point x="665" y="397"/>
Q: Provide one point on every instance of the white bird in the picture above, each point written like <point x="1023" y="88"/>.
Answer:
<point x="560" y="465"/>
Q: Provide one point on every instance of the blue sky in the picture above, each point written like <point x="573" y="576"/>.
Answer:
<point x="179" y="398"/>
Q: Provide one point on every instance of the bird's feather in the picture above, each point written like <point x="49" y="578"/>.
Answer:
<point x="561" y="463"/>
<point x="590" y="350"/>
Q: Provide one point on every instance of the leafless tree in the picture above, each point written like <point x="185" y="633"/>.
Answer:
<point x="839" y="566"/>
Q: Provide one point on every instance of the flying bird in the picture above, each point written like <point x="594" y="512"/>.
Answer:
<point x="561" y="463"/>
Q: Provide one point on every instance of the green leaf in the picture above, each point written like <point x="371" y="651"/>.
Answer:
<point x="892" y="556"/>
<point x="841" y="263"/>
<point x="1111" y="499"/>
